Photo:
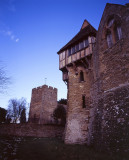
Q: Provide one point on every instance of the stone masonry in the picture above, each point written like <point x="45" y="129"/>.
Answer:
<point x="43" y="103"/>
<point x="95" y="67"/>
<point x="109" y="122"/>
<point x="31" y="130"/>
<point x="77" y="116"/>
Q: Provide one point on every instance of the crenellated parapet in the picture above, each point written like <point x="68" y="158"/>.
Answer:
<point x="43" y="103"/>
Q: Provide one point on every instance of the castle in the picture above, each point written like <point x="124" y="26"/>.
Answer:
<point x="95" y="67"/>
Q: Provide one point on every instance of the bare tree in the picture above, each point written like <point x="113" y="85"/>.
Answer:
<point x="17" y="110"/>
<point x="4" y="80"/>
<point x="13" y="110"/>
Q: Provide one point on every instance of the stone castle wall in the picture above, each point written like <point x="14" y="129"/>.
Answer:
<point x="31" y="130"/>
<point x="108" y="127"/>
<point x="111" y="124"/>
<point x="43" y="103"/>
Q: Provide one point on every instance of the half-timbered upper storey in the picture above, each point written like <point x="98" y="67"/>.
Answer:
<point x="79" y="47"/>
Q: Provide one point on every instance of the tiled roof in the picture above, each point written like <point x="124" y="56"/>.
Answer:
<point x="89" y="30"/>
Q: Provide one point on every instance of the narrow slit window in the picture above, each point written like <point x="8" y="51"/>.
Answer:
<point x="81" y="76"/>
<point x="83" y="101"/>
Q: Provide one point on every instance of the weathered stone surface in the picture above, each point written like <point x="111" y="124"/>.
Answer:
<point x="43" y="103"/>
<point x="109" y="123"/>
<point x="105" y="120"/>
<point x="31" y="130"/>
<point x="77" y="116"/>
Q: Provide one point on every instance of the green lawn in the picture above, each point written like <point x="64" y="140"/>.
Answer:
<point x="19" y="148"/>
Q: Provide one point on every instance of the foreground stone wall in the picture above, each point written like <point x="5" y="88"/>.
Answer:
<point x="31" y="130"/>
<point x="109" y="116"/>
<point x="111" y="125"/>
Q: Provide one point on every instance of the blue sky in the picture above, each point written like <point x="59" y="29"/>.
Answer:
<point x="31" y="33"/>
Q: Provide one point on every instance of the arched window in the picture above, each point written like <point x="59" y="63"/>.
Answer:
<point x="113" y="30"/>
<point x="81" y="76"/>
<point x="109" y="39"/>
<point x="118" y="32"/>
<point x="110" y="22"/>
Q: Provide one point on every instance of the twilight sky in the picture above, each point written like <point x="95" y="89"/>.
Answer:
<point x="31" y="33"/>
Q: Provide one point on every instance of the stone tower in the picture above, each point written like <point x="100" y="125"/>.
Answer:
<point x="43" y="103"/>
<point x="76" y="66"/>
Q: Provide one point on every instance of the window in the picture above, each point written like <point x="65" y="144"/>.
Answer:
<point x="83" y="101"/>
<point x="86" y="42"/>
<point x="110" y="22"/>
<point x="118" y="33"/>
<point x="81" y="76"/>
<point x="73" y="49"/>
<point x="60" y="56"/>
<point x="63" y="55"/>
<point x="69" y="51"/>
<point x="77" y="47"/>
<point x="114" y="32"/>
<point x="92" y="39"/>
<point x="109" y="39"/>
<point x="81" y="45"/>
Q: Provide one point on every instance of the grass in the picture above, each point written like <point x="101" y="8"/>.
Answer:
<point x="19" y="148"/>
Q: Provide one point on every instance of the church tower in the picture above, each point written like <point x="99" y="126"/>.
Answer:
<point x="43" y="103"/>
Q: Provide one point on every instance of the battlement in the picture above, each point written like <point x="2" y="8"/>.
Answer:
<point x="43" y="87"/>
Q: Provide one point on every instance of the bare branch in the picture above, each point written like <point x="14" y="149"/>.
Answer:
<point x="4" y="80"/>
